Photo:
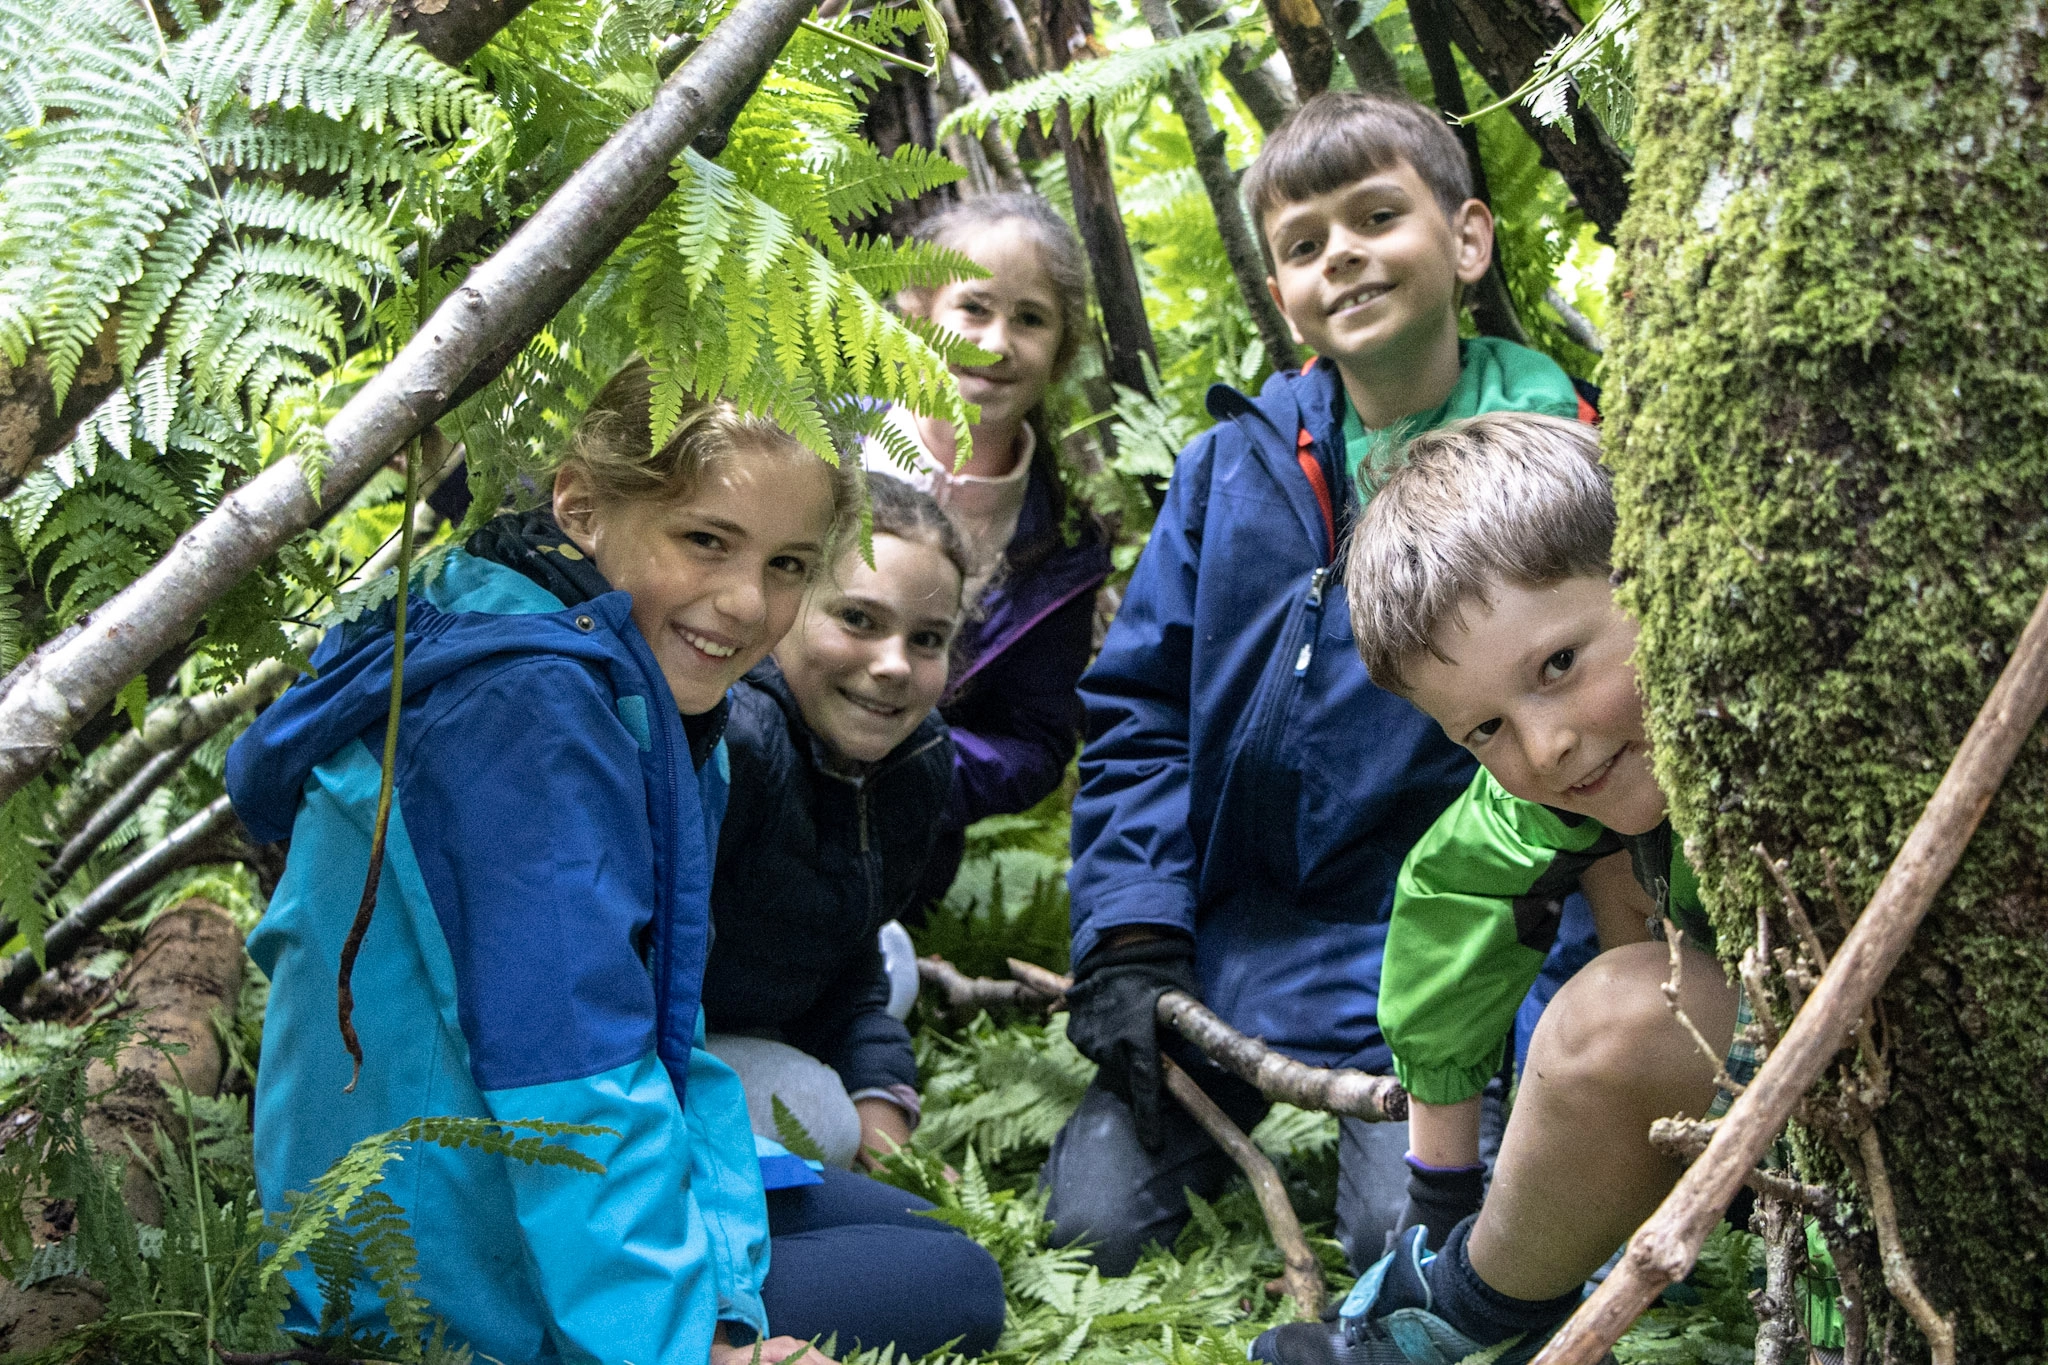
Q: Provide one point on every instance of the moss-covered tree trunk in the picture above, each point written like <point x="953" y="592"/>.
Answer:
<point x="1830" y="433"/>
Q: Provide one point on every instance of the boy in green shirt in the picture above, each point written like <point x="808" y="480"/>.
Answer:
<point x="1479" y="590"/>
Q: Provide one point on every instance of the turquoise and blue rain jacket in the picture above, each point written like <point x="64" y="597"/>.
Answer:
<point x="537" y="953"/>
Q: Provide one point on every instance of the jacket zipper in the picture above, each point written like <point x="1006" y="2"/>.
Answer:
<point x="1312" y="619"/>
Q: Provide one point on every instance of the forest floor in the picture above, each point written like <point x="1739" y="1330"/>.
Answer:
<point x="996" y="1091"/>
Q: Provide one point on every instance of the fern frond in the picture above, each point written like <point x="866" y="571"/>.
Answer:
<point x="1597" y="62"/>
<point x="1091" y="88"/>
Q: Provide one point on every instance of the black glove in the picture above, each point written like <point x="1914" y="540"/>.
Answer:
<point x="1112" y="1019"/>
<point x="1440" y="1198"/>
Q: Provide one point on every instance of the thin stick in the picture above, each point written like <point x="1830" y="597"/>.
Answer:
<point x="1664" y="1248"/>
<point x="1304" y="1273"/>
<point x="882" y="54"/>
<point x="1939" y="1328"/>
<point x="1674" y="939"/>
<point x="964" y="992"/>
<point x="1779" y="1329"/>
<point x="1686" y="1138"/>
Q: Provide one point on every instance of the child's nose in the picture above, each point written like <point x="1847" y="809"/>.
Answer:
<point x="889" y="660"/>
<point x="743" y="598"/>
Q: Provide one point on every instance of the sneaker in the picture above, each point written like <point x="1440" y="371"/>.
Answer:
<point x="1385" y="1320"/>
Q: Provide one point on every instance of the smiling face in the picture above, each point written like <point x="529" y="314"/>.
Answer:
<point x="1015" y="313"/>
<point x="716" y="575"/>
<point x="1373" y="267"/>
<point x="1541" y="690"/>
<point x="867" y="659"/>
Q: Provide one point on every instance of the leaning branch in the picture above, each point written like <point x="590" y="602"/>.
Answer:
<point x="1240" y="247"/>
<point x="190" y="843"/>
<point x="1333" y="1090"/>
<point x="1303" y="1275"/>
<point x="481" y="326"/>
<point x="1664" y="1248"/>
<point x="963" y="992"/>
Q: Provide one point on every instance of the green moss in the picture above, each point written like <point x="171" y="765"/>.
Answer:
<point x="1829" y="426"/>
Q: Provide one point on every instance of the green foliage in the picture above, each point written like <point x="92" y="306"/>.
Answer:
<point x="1719" y="1328"/>
<point x="1597" y="64"/>
<point x="1091" y="89"/>
<point x="1010" y="896"/>
<point x="791" y="1133"/>
<point x="121" y="202"/>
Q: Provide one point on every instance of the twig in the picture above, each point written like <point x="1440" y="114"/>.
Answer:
<point x="108" y="817"/>
<point x="881" y="54"/>
<point x="1685" y="1139"/>
<point x="1939" y="1328"/>
<point x="1855" y="1316"/>
<point x="1674" y="939"/>
<point x="114" y="895"/>
<point x="1304" y="1273"/>
<point x="1333" y="1090"/>
<point x="1754" y="969"/>
<point x="1795" y="909"/>
<point x="1665" y="1247"/>
<point x="964" y="992"/>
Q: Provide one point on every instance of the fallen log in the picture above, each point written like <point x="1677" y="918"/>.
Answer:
<point x="187" y="971"/>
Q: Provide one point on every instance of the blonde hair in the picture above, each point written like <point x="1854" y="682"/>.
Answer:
<point x="1508" y="497"/>
<point x="613" y="444"/>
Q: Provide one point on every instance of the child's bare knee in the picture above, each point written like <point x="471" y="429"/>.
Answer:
<point x="1606" y="1025"/>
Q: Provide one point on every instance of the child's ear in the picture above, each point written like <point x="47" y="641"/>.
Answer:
<point x="1472" y="234"/>
<point x="576" y="506"/>
<point x="1273" y="288"/>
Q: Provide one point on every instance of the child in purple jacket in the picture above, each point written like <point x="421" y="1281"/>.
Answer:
<point x="1012" y="704"/>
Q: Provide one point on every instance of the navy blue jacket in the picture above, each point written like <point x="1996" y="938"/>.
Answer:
<point x="811" y="863"/>
<point x="1243" y="780"/>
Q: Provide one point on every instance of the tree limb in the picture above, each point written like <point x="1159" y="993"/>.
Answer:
<point x="120" y="890"/>
<point x="1303" y="1273"/>
<point x="1184" y="89"/>
<point x="478" y="328"/>
<point x="1267" y="90"/>
<point x="1333" y="1090"/>
<point x="1664" y="1248"/>
<point x="963" y="992"/>
<point x="1685" y="1139"/>
<point x="1503" y="40"/>
<point x="1372" y="66"/>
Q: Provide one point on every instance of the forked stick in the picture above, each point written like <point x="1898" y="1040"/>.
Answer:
<point x="1664" y="1248"/>
<point x="1330" y="1089"/>
<point x="1304" y="1273"/>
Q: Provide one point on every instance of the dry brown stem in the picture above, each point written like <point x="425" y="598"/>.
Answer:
<point x="1664" y="1248"/>
<point x="1939" y="1328"/>
<point x="1332" y="1090"/>
<point x="963" y="992"/>
<point x="1304" y="1274"/>
<point x="1685" y="1139"/>
<point x="1674" y="939"/>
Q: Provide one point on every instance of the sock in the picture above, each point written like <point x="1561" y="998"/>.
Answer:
<point x="1476" y="1308"/>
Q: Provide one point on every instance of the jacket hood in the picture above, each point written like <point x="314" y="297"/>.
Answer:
<point x="348" y="695"/>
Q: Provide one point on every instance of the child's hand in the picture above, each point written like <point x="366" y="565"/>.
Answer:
<point x="883" y="1129"/>
<point x="773" y="1351"/>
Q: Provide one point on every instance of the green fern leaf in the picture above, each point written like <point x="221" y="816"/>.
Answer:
<point x="1090" y="88"/>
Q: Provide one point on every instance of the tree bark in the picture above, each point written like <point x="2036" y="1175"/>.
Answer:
<point x="1266" y="89"/>
<point x="482" y="325"/>
<point x="1831" y="458"/>
<point x="1504" y="39"/>
<point x="1493" y="310"/>
<point x="1298" y="29"/>
<point x="1233" y="225"/>
<point x="1372" y="66"/>
<point x="1070" y="36"/>
<point x="453" y="30"/>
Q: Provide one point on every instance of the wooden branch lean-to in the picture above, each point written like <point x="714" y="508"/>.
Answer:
<point x="479" y="328"/>
<point x="1664" y="1248"/>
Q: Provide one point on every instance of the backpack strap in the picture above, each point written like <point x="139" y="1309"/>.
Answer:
<point x="1305" y="456"/>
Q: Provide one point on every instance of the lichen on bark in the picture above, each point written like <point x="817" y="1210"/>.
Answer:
<point x="1828" y="421"/>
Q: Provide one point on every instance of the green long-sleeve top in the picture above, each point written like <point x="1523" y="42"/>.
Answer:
<point x="1476" y="908"/>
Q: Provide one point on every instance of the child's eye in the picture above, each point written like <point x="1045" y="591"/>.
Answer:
<point x="1031" y="319"/>
<point x="704" y="540"/>
<point x="1558" y="664"/>
<point x="795" y="565"/>
<point x="855" y="618"/>
<point x="928" y="640"/>
<point x="1302" y="249"/>
<point x="1483" y="731"/>
<point x="974" y="310"/>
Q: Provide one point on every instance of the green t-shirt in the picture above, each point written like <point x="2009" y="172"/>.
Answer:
<point x="1493" y="376"/>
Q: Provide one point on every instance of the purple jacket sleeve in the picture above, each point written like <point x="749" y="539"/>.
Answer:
<point x="1015" y="729"/>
